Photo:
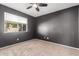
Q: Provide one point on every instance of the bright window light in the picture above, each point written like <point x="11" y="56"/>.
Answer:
<point x="14" y="23"/>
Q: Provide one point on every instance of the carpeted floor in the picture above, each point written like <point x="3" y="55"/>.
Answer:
<point x="36" y="47"/>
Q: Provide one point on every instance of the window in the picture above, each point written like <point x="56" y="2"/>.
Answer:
<point x="14" y="23"/>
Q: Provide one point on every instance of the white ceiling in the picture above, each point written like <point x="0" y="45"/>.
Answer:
<point x="52" y="7"/>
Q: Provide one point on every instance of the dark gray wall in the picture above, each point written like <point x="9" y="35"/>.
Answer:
<point x="78" y="26"/>
<point x="60" y="27"/>
<point x="10" y="38"/>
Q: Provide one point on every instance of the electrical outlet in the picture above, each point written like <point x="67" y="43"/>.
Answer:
<point x="47" y="37"/>
<point x="17" y="38"/>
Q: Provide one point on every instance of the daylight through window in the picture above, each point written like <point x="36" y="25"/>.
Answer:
<point x="14" y="23"/>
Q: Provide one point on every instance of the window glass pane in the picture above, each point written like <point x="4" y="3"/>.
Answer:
<point x="24" y="27"/>
<point x="14" y="23"/>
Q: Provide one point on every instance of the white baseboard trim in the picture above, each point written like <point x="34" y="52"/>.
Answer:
<point x="67" y="46"/>
<point x="64" y="45"/>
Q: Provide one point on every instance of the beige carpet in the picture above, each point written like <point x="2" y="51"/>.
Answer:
<point x="38" y="47"/>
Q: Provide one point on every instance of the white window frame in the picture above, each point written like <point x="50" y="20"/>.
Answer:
<point x="16" y="18"/>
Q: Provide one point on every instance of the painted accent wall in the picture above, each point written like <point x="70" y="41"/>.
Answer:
<point x="11" y="38"/>
<point x="59" y="27"/>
